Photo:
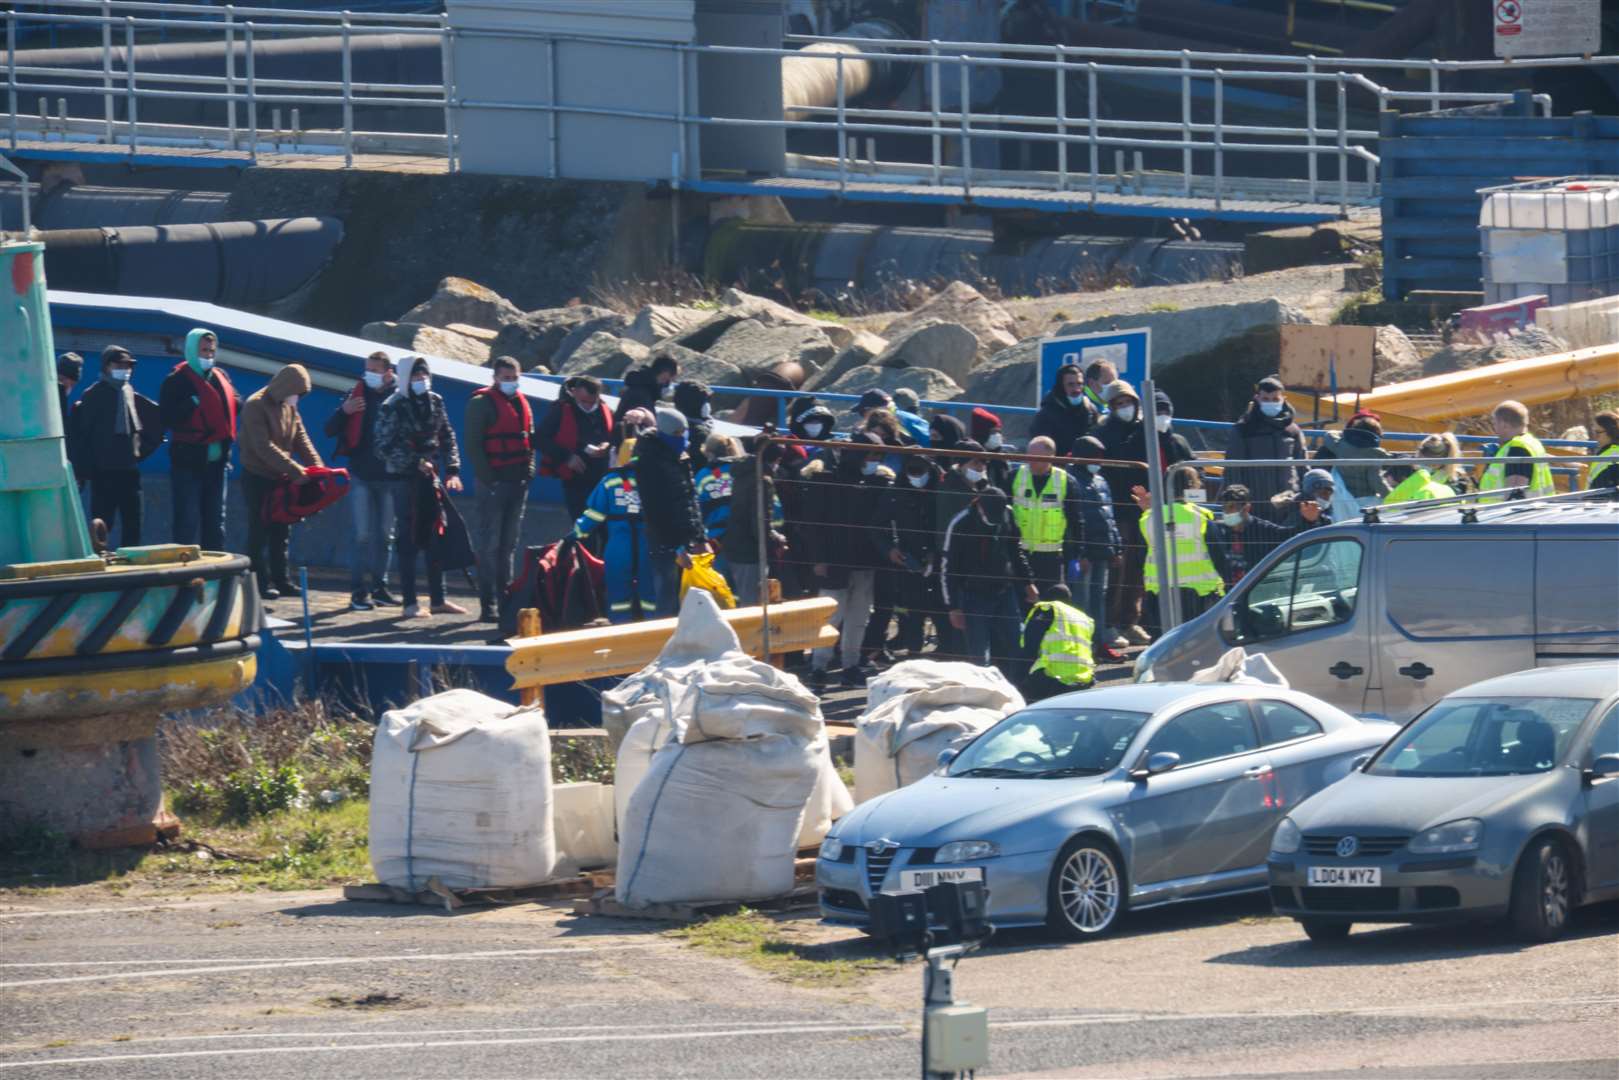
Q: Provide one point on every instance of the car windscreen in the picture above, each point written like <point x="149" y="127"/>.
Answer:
<point x="1051" y="743"/>
<point x="1479" y="737"/>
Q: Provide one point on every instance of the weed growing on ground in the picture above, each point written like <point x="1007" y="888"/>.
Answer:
<point x="758" y="941"/>
<point x="581" y="760"/>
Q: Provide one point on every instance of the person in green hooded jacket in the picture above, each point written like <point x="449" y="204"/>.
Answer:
<point x="197" y="403"/>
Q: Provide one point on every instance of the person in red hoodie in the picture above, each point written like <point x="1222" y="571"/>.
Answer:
<point x="197" y="403"/>
<point x="371" y="495"/>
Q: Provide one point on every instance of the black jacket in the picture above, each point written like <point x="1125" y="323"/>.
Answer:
<point x="955" y="494"/>
<point x="363" y="463"/>
<point x="742" y="527"/>
<point x="1123" y="442"/>
<point x="175" y="402"/>
<point x="1062" y="422"/>
<point x="641" y="391"/>
<point x="1234" y="553"/>
<point x="1362" y="481"/>
<point x="981" y="557"/>
<point x="907" y="513"/>
<point x="93" y="445"/>
<point x="1257" y="436"/>
<point x="590" y="428"/>
<point x="668" y="496"/>
<point x="842" y="526"/>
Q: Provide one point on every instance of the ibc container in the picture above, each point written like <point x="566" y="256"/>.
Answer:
<point x="1558" y="237"/>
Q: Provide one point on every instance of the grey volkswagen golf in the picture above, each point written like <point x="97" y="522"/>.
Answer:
<point x="1500" y="801"/>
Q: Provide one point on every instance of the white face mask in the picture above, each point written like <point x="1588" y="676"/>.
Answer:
<point x="373" y="379"/>
<point x="814" y="430"/>
<point x="119" y="374"/>
<point x="508" y="387"/>
<point x="291" y="399"/>
<point x="993" y="442"/>
<point x="1126" y="413"/>
<point x="707" y="412"/>
<point x="668" y="392"/>
<point x="870" y="468"/>
<point x="1231" y="519"/>
<point x="205" y="362"/>
<point x="973" y="476"/>
<point x="1163" y="423"/>
<point x="917" y="481"/>
<point x="592" y="407"/>
<point x="1094" y="469"/>
<point x="419" y="386"/>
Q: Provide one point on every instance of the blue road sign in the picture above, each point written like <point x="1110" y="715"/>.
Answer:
<point x="1129" y="350"/>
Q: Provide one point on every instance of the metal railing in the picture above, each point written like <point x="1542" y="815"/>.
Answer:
<point x="1203" y="136"/>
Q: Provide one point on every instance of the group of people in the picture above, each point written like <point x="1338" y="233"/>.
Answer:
<point x="1013" y="558"/>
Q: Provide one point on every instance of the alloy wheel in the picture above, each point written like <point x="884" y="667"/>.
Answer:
<point x="1554" y="891"/>
<point x="1088" y="889"/>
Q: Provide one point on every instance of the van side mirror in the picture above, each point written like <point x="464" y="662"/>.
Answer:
<point x="1161" y="762"/>
<point x="947" y="755"/>
<point x="1228" y="621"/>
<point x="1604" y="766"/>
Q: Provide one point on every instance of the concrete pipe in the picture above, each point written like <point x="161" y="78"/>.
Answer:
<point x="85" y="206"/>
<point x="810" y="79"/>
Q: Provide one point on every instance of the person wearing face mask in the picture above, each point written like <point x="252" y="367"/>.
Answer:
<point x="1102" y="554"/>
<point x="1099" y="375"/>
<point x="1172" y="445"/>
<point x="198" y="405"/>
<point x="574" y="438"/>
<point x="110" y="430"/>
<point x="371" y="496"/>
<point x="907" y="514"/>
<point x="275" y="449"/>
<point x="694" y="400"/>
<point x="1066" y="413"/>
<point x="69" y="369"/>
<point x="806" y="419"/>
<point x="1362" y="437"/>
<point x="1266" y="431"/>
<point x="844" y="545"/>
<point x="985" y="572"/>
<point x="615" y="506"/>
<point x="674" y="524"/>
<point x="418" y="447"/>
<point x="945" y="431"/>
<point x="500" y="444"/>
<point x="1124" y="438"/>
<point x="741" y="534"/>
<point x="1605" y="473"/>
<point x="1192" y="567"/>
<point x="1238" y="540"/>
<point x="1045" y="506"/>
<point x="646" y="387"/>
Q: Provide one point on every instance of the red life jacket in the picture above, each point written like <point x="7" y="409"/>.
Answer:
<point x="509" y="440"/>
<point x="214" y="418"/>
<point x="290" y="501"/>
<point x="353" y="425"/>
<point x="568" y="438"/>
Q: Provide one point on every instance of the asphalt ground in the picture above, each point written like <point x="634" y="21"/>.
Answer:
<point x="307" y="986"/>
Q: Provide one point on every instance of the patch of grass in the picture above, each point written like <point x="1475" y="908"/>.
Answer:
<point x="1163" y="307"/>
<point x="824" y="315"/>
<point x="756" y="940"/>
<point x="1348" y="313"/>
<point x="581" y="760"/>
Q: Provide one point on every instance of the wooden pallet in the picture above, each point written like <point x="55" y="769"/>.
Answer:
<point x="603" y="903"/>
<point x="436" y="894"/>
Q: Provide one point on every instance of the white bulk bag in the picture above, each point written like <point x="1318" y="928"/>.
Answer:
<point x="583" y="816"/>
<point x="916" y="709"/>
<point x="461" y="791"/>
<point x="1238" y="666"/>
<point x="829" y="801"/>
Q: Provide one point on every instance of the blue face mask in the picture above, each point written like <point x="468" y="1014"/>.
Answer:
<point x="677" y="443"/>
<point x="373" y="379"/>
<point x="119" y="374"/>
<point x="1076" y="399"/>
<point x="870" y="468"/>
<point x="1271" y="408"/>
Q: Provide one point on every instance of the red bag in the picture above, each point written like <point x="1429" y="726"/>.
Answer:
<point x="290" y="501"/>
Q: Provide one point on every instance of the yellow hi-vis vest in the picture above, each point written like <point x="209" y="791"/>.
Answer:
<point x="1040" y="517"/>
<point x="1194" y="568"/>
<point x="1417" y="487"/>
<point x="1598" y="467"/>
<point x="1495" y="474"/>
<point x="1065" y="651"/>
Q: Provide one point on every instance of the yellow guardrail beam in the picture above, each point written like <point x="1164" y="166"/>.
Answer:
<point x="1476" y="391"/>
<point x="572" y="655"/>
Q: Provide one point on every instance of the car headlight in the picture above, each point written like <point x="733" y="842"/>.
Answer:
<point x="1463" y="835"/>
<point x="831" y="849"/>
<point x="1142" y="672"/>
<point x="1287" y="838"/>
<point x="966" y="851"/>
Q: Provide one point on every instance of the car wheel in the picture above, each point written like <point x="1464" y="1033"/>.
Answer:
<point x="1086" y="895"/>
<point x="1542" y="892"/>
<point x="1324" y="932"/>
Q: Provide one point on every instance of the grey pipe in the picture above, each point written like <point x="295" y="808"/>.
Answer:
<point x="87" y="206"/>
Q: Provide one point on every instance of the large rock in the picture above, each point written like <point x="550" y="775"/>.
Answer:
<point x="752" y="344"/>
<point x="992" y="325"/>
<point x="864" y="349"/>
<point x="735" y="302"/>
<point x="429" y="340"/>
<point x="1177" y="335"/>
<point x="1010" y="377"/>
<point x="1526" y="344"/>
<point x="696" y="367"/>
<point x="929" y="383"/>
<point x="533" y="339"/>
<point x="947" y="347"/>
<point x="657" y="322"/>
<point x="458" y="300"/>
<point x="605" y="356"/>
<point x="1394" y="358"/>
<point x="611" y="322"/>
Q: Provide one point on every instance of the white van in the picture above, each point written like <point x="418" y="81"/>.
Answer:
<point x="1387" y="617"/>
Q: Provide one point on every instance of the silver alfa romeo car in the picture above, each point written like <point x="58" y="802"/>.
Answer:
<point x="1500" y="801"/>
<point x="1086" y="805"/>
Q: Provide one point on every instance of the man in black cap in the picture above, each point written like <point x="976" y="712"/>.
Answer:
<point x="110" y="431"/>
<point x="69" y="369"/>
<point x="985" y="571"/>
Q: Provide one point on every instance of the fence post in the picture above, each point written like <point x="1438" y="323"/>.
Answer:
<point x="966" y="129"/>
<point x="1163" y="548"/>
<point x="1343" y="145"/>
<point x="761" y="510"/>
<point x="1062" y="120"/>
<point x="528" y="625"/>
<point x="106" y="71"/>
<point x="129" y="80"/>
<point x="553" y="129"/>
<point x="681" y="154"/>
<point x="1090" y="108"/>
<point x="230" y="72"/>
<point x="1219" y="138"/>
<point x="348" y="93"/>
<point x="252" y="96"/>
<point x="11" y="79"/>
<point x="1433" y="85"/>
<point x="933" y="95"/>
<point x="843" y="132"/>
<point x="1309" y="120"/>
<point x="447" y="70"/>
<point x="1186" y="122"/>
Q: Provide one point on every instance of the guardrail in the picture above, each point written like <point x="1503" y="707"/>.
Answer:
<point x="1077" y="73"/>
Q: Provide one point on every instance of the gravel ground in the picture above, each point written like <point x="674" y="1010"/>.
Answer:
<point x="305" y="985"/>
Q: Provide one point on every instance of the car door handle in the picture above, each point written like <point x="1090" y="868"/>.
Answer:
<point x="1257" y="771"/>
<point x="1418" y="670"/>
<point x="1343" y="669"/>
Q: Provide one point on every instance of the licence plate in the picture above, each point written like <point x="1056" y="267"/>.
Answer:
<point x="1354" y="876"/>
<point x="923" y="879"/>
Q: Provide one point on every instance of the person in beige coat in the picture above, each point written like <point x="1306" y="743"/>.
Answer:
<point x="275" y="448"/>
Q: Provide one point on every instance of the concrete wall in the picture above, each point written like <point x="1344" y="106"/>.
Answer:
<point x="1583" y="325"/>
